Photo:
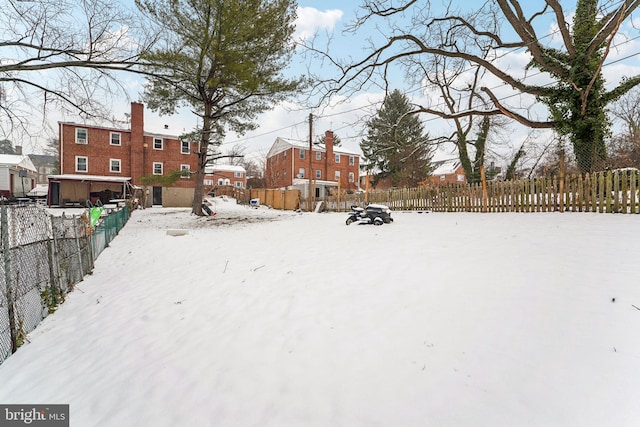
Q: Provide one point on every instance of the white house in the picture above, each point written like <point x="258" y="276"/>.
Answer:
<point x="17" y="175"/>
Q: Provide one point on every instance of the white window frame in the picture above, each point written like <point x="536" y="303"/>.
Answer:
<point x="208" y="182"/>
<point x="301" y="173"/>
<point x="158" y="143"/>
<point x="239" y="184"/>
<point x="237" y="174"/>
<point x="302" y="153"/>
<point x="352" y="160"/>
<point x="119" y="138"/>
<point x="318" y="155"/>
<point x="86" y="164"/>
<point x="155" y="164"/>
<point x="352" y="177"/>
<point x="337" y="155"/>
<point x="460" y="177"/>
<point x="111" y="163"/>
<point x="184" y="168"/>
<point x="336" y="175"/>
<point x="220" y="181"/>
<point x="185" y="149"/>
<point x="84" y="140"/>
<point x="318" y="173"/>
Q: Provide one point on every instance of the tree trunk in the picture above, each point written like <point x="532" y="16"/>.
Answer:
<point x="198" y="193"/>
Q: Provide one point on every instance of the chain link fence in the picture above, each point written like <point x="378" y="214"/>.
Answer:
<point x="43" y="257"/>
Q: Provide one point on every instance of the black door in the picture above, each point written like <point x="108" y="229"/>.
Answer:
<point x="157" y="196"/>
<point x="54" y="194"/>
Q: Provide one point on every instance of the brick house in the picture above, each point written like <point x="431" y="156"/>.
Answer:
<point x="122" y="155"/>
<point x="288" y="164"/>
<point x="227" y="175"/>
<point x="448" y="171"/>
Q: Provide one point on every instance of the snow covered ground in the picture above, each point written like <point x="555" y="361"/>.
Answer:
<point x="267" y="318"/>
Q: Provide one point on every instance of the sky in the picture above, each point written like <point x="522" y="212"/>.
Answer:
<point x="346" y="113"/>
<point x="258" y="317"/>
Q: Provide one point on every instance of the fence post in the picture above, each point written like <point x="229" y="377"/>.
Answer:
<point x="75" y="234"/>
<point x="4" y="226"/>
<point x="561" y="179"/>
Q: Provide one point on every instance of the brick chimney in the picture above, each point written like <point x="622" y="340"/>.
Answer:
<point x="137" y="142"/>
<point x="330" y="160"/>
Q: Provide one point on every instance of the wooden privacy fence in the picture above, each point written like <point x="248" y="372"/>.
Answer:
<point x="604" y="192"/>
<point x="277" y="199"/>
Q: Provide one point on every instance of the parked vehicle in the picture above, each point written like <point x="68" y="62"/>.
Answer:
<point x="372" y="214"/>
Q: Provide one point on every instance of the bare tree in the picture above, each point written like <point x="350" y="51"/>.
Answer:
<point x="571" y="89"/>
<point x="65" y="55"/>
<point x="624" y="148"/>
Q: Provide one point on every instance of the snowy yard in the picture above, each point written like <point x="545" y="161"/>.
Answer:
<point x="267" y="318"/>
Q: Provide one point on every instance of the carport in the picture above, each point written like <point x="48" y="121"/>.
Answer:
<point x="75" y="190"/>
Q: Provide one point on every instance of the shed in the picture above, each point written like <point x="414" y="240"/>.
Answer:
<point x="17" y="175"/>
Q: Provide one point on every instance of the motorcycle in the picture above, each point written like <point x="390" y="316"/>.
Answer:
<point x="371" y="214"/>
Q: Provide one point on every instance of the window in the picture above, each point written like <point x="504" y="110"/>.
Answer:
<point x="114" y="165"/>
<point x="337" y="158"/>
<point x="352" y="160"/>
<point x="115" y="138"/>
<point x="185" y="171"/>
<point x="285" y="155"/>
<point x="220" y="181"/>
<point x="185" y="147"/>
<point x="301" y="173"/>
<point x="441" y="177"/>
<point x="302" y="153"/>
<point x="82" y="164"/>
<point x="237" y="174"/>
<point x="238" y="184"/>
<point x="208" y="182"/>
<point x="318" y="174"/>
<point x="318" y="155"/>
<point x="460" y="177"/>
<point x="157" y="143"/>
<point x="284" y="173"/>
<point x="337" y="176"/>
<point x="227" y="181"/>
<point x="352" y="177"/>
<point x="81" y="136"/>
<point x="157" y="168"/>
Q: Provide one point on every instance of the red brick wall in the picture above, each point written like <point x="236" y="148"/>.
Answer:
<point x="136" y="159"/>
<point x="451" y="178"/>
<point x="281" y="170"/>
<point x="230" y="175"/>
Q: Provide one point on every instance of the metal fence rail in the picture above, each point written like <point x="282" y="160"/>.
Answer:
<point x="42" y="258"/>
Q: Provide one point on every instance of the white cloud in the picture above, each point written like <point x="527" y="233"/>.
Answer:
<point x="311" y="20"/>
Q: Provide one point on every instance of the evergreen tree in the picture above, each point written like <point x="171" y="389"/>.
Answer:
<point x="6" y="147"/>
<point x="396" y="144"/>
<point x="222" y="58"/>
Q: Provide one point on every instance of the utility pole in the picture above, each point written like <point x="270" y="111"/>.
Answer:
<point x="310" y="152"/>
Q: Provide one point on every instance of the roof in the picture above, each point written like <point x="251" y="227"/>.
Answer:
<point x="93" y="178"/>
<point x="43" y="159"/>
<point x="224" y="168"/>
<point x="17" y="161"/>
<point x="283" y="144"/>
<point x="446" y="167"/>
